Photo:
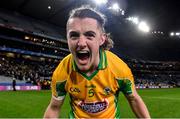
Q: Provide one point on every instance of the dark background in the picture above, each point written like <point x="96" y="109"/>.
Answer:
<point x="162" y="15"/>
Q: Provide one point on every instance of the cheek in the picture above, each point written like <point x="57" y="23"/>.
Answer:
<point x="92" y="41"/>
<point x="95" y="44"/>
<point x="71" y="44"/>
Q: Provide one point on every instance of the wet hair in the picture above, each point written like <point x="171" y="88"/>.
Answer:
<point x="89" y="12"/>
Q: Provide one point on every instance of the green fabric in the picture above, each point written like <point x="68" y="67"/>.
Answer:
<point x="60" y="88"/>
<point x="71" y="115"/>
<point x="117" y="113"/>
<point x="125" y="85"/>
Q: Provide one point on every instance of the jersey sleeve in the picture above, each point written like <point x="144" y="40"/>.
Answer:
<point x="126" y="83"/>
<point x="58" y="85"/>
<point x="60" y="77"/>
<point x="58" y="88"/>
<point x="122" y="73"/>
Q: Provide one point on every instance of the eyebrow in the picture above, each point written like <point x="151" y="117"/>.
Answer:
<point x="74" y="33"/>
<point x="89" y="33"/>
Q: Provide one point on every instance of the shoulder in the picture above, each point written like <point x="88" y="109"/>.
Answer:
<point x="60" y="76"/>
<point x="116" y="62"/>
<point x="63" y="70"/>
<point x="122" y="73"/>
<point x="113" y="57"/>
<point x="117" y="65"/>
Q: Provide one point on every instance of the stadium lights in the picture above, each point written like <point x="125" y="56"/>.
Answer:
<point x="175" y="34"/>
<point x="158" y="32"/>
<point x="143" y="26"/>
<point x="172" y="34"/>
<point x="115" y="8"/>
<point x="134" y="20"/>
<point x="99" y="2"/>
<point x="49" y="7"/>
<point x="122" y="12"/>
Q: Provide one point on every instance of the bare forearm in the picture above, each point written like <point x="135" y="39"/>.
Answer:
<point x="51" y="112"/>
<point x="53" y="108"/>
<point x="139" y="108"/>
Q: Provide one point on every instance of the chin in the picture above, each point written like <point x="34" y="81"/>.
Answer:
<point x="83" y="68"/>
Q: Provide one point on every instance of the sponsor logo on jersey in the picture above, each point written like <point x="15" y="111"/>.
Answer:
<point x="94" y="107"/>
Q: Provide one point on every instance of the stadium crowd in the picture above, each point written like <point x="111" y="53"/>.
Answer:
<point x="36" y="73"/>
<point x="29" y="49"/>
<point x="147" y="74"/>
<point x="155" y="74"/>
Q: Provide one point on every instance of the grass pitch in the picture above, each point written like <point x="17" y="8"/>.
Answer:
<point x="162" y="103"/>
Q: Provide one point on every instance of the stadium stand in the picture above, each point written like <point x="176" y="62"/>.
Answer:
<point x="5" y="80"/>
<point x="155" y="74"/>
<point x="29" y="50"/>
<point x="16" y="20"/>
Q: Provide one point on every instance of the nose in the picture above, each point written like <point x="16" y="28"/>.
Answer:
<point x="82" y="42"/>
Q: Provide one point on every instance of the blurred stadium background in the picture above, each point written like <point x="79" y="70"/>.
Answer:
<point x="33" y="42"/>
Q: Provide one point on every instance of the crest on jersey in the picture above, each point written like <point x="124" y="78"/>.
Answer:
<point x="107" y="90"/>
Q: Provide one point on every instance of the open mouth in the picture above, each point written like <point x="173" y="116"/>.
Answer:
<point x="82" y="55"/>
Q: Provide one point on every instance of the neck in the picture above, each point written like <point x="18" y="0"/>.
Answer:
<point x="91" y="71"/>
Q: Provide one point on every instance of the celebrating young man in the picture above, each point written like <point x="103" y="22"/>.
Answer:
<point x="92" y="75"/>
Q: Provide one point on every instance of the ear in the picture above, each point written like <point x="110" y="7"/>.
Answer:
<point x="103" y="39"/>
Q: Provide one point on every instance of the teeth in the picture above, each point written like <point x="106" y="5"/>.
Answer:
<point x="83" y="51"/>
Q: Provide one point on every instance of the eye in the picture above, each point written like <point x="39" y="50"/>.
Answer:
<point x="74" y="35"/>
<point x="90" y="34"/>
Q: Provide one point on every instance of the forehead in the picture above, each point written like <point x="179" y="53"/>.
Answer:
<point x="79" y="24"/>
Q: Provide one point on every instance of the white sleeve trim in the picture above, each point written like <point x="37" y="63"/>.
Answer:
<point x="59" y="97"/>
